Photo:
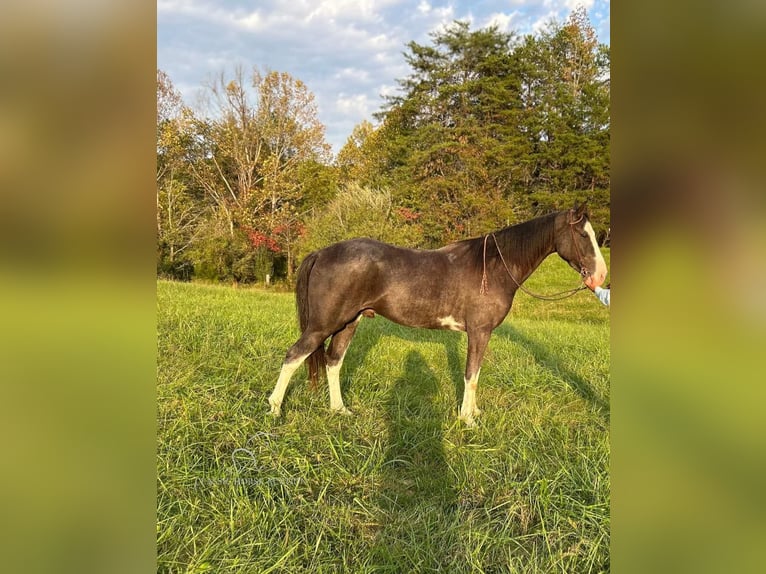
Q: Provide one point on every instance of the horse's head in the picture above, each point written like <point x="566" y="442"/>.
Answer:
<point x="576" y="244"/>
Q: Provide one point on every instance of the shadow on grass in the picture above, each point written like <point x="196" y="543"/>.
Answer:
<point x="546" y="357"/>
<point x="417" y="496"/>
<point x="371" y="332"/>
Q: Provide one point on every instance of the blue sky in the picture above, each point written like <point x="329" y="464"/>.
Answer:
<point x="348" y="52"/>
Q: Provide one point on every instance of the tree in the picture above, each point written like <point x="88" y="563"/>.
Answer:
<point x="352" y="159"/>
<point x="565" y="86"/>
<point x="449" y="135"/>
<point x="228" y="150"/>
<point x="489" y="130"/>
<point x="169" y="106"/>
<point x="249" y="155"/>
<point x="178" y="209"/>
<point x="360" y="212"/>
<point x="180" y="215"/>
<point x="295" y="138"/>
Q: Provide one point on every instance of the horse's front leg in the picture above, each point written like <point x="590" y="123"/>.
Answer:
<point x="477" y="344"/>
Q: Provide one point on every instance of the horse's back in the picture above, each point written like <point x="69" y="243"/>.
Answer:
<point x="376" y="265"/>
<point x="364" y="252"/>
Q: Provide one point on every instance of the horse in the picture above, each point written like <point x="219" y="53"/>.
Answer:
<point x="465" y="286"/>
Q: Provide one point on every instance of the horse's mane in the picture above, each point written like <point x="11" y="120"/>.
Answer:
<point x="521" y="243"/>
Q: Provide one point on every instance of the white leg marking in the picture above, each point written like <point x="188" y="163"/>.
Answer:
<point x="288" y="369"/>
<point x="333" y="380"/>
<point x="469" y="409"/>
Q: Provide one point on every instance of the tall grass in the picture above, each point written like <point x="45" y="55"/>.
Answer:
<point x="401" y="486"/>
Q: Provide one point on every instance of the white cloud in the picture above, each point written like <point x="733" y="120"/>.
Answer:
<point x="444" y="16"/>
<point x="387" y="90"/>
<point x="252" y="21"/>
<point x="542" y="21"/>
<point x="351" y="74"/>
<point x="362" y="10"/>
<point x="501" y="20"/>
<point x="356" y="105"/>
<point x="175" y="6"/>
<point x="572" y="4"/>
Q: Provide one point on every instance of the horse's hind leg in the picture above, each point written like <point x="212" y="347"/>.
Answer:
<point x="335" y="354"/>
<point x="307" y="344"/>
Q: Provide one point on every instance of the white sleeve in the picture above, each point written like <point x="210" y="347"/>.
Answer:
<point x="603" y="295"/>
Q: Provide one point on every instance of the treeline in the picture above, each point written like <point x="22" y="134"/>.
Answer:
<point x="488" y="129"/>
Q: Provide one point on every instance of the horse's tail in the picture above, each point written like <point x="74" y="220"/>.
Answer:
<point x="316" y="361"/>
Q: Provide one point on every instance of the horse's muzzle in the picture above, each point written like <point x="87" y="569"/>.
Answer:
<point x="594" y="274"/>
<point x="596" y="279"/>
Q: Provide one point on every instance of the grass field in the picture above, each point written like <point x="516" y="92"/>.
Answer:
<point x="401" y="486"/>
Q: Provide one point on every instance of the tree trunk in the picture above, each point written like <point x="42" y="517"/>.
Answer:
<point x="290" y="271"/>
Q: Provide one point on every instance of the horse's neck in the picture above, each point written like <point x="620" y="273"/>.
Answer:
<point x="524" y="252"/>
<point x="537" y="261"/>
<point x="526" y="268"/>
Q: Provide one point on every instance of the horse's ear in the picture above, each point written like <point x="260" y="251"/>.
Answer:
<point x="580" y="210"/>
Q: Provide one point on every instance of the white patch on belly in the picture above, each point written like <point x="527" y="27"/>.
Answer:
<point x="450" y="323"/>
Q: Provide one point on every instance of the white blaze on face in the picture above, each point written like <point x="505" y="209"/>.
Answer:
<point x="450" y="323"/>
<point x="599" y="274"/>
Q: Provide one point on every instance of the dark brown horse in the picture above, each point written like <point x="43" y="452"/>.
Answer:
<point x="465" y="286"/>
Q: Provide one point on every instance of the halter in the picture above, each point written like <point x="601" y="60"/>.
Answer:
<point x="580" y="258"/>
<point x="553" y="296"/>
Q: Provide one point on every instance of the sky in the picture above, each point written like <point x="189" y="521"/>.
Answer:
<point x="349" y="53"/>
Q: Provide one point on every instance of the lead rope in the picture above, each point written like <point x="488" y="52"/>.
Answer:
<point x="483" y="288"/>
<point x="551" y="297"/>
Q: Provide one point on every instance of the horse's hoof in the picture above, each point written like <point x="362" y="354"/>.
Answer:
<point x="342" y="411"/>
<point x="276" y="410"/>
<point x="468" y="420"/>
